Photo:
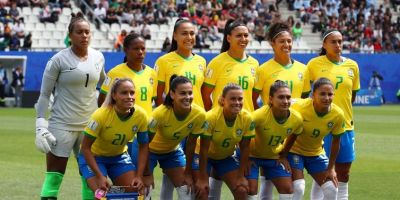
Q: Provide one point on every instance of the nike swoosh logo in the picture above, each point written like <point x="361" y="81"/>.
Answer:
<point x="306" y="120"/>
<point x="217" y="131"/>
<point x="107" y="127"/>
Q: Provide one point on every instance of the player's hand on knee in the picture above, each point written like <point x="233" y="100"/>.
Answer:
<point x="43" y="137"/>
<point x="137" y="184"/>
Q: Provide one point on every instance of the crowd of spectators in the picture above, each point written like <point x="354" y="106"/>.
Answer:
<point x="363" y="23"/>
<point x="366" y="26"/>
<point x="13" y="36"/>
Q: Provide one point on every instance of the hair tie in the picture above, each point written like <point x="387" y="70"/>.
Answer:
<point x="278" y="34"/>
<point x="323" y="39"/>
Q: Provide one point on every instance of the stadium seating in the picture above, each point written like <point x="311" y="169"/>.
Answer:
<point x="54" y="33"/>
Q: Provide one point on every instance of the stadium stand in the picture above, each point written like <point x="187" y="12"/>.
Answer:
<point x="368" y="26"/>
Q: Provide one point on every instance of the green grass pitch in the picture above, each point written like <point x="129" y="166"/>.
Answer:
<point x="375" y="173"/>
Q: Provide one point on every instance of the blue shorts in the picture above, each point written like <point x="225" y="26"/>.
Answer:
<point x="313" y="164"/>
<point x="168" y="160"/>
<point x="270" y="167"/>
<point x="221" y="167"/>
<point x="347" y="152"/>
<point x="112" y="166"/>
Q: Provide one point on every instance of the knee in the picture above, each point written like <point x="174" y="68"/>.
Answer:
<point x="343" y="177"/>
<point x="343" y="174"/>
<point x="252" y="191"/>
<point x="286" y="190"/>
<point x="240" y="192"/>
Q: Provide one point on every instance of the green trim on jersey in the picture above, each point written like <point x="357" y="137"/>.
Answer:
<point x="248" y="137"/>
<point x="90" y="136"/>
<point x="181" y="118"/>
<point x="196" y="134"/>
<point x="138" y="72"/>
<point x="288" y="66"/>
<point x="229" y="124"/>
<point x="186" y="58"/>
<point x="239" y="60"/>
<point x="206" y="136"/>
<point x="126" y="118"/>
<point x="256" y="90"/>
<point x="103" y="92"/>
<point x="336" y="63"/>
<point x="209" y="85"/>
<point x="161" y="82"/>
<point x="336" y="136"/>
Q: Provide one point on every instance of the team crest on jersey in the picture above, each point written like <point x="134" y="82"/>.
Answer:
<point x="253" y="71"/>
<point x="190" y="126"/>
<point x="134" y="128"/>
<point x="93" y="125"/>
<point x="151" y="81"/>
<point x="289" y="131"/>
<point x="300" y="75"/>
<point x="330" y="124"/>
<point x="209" y="73"/>
<point x="350" y="72"/>
<point x="239" y="132"/>
<point x="201" y="67"/>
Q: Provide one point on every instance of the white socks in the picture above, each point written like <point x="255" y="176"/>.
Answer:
<point x="343" y="191"/>
<point x="251" y="197"/>
<point x="316" y="191"/>
<point x="285" y="196"/>
<point x="299" y="186"/>
<point x="149" y="192"/>
<point x="183" y="193"/>
<point x="215" y="189"/>
<point x="329" y="190"/>
<point x="266" y="187"/>
<point x="167" y="189"/>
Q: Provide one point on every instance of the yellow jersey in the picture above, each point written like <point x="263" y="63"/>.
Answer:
<point x="270" y="135"/>
<point x="294" y="75"/>
<point x="192" y="68"/>
<point x="145" y="84"/>
<point x="224" y="69"/>
<point x="170" y="131"/>
<point x="224" y="136"/>
<point x="111" y="133"/>
<point x="345" y="77"/>
<point x="316" y="127"/>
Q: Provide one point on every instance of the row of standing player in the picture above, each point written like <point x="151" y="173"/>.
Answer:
<point x="237" y="67"/>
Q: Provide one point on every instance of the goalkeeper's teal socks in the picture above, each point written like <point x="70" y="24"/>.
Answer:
<point x="51" y="185"/>
<point x="87" y="193"/>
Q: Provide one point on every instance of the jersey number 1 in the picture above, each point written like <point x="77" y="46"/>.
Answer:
<point x="87" y="80"/>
